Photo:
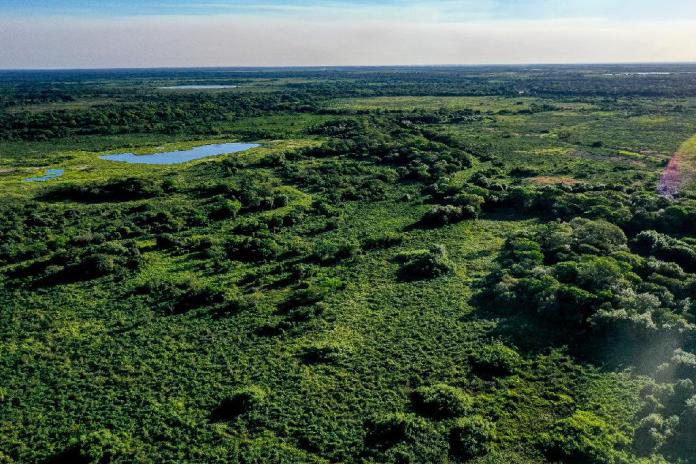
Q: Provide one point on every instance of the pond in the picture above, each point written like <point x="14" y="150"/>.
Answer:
<point x="198" y="87"/>
<point x="182" y="156"/>
<point x="48" y="175"/>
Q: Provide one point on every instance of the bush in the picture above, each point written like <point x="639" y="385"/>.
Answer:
<point x="303" y="297"/>
<point x="685" y="445"/>
<point x="252" y="249"/>
<point x="405" y="438"/>
<point x="584" y="437"/>
<point x="155" y="221"/>
<point x="386" y="240"/>
<point x="225" y="209"/>
<point x="170" y="297"/>
<point x="95" y="265"/>
<point x="683" y="364"/>
<point x="322" y="353"/>
<point x="522" y="250"/>
<point x="471" y="437"/>
<point x="85" y="264"/>
<point x="239" y="402"/>
<point x="523" y="171"/>
<point x="601" y="235"/>
<point x="426" y="264"/>
<point x="306" y="313"/>
<point x="166" y="241"/>
<point x="107" y="446"/>
<point x="667" y="248"/>
<point x="239" y="304"/>
<point x="651" y="434"/>
<point x="130" y="188"/>
<point x="439" y="216"/>
<point x="390" y="429"/>
<point x="327" y="252"/>
<point x="468" y="200"/>
<point x="670" y="410"/>
<point x="441" y="401"/>
<point x="496" y="360"/>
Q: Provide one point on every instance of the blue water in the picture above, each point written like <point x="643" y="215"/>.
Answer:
<point x="198" y="87"/>
<point x="48" y="175"/>
<point x="176" y="157"/>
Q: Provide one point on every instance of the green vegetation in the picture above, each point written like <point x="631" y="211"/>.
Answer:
<point x="417" y="265"/>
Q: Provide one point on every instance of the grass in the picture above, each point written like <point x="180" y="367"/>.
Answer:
<point x="83" y="166"/>
<point x="482" y="104"/>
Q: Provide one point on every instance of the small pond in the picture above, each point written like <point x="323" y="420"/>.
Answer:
<point x="48" y="175"/>
<point x="176" y="157"/>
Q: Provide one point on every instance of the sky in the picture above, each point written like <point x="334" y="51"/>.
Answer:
<point x="48" y="34"/>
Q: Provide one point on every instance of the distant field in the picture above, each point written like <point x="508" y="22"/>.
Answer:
<point x="59" y="106"/>
<point x="483" y="104"/>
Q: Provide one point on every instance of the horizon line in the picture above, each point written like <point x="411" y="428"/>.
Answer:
<point x="334" y="66"/>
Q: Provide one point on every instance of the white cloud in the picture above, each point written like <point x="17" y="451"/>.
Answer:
<point x="253" y="41"/>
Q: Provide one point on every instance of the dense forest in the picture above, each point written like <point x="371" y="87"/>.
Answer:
<point x="415" y="265"/>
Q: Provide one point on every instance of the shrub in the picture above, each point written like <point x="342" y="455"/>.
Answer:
<point x="634" y="317"/>
<point x="405" y="438"/>
<point x="252" y="249"/>
<point x="441" y="401"/>
<point x="155" y="220"/>
<point x="438" y="216"/>
<point x="306" y="313"/>
<point x="239" y="304"/>
<point x="280" y="200"/>
<point x="601" y="235"/>
<point x="166" y="241"/>
<point x="322" y="353"/>
<point x="107" y="446"/>
<point x="88" y="263"/>
<point x="598" y="273"/>
<point x="95" y="265"/>
<point x="304" y="297"/>
<point x="239" y="402"/>
<point x="327" y="252"/>
<point x="471" y="437"/>
<point x="386" y="240"/>
<point x="496" y="360"/>
<point x="584" y="437"/>
<point x="523" y="250"/>
<point x="667" y="248"/>
<point x="651" y="434"/>
<point x="390" y="429"/>
<point x="130" y="188"/>
<point x="89" y="238"/>
<point x="170" y="297"/>
<point x="426" y="264"/>
<point x="684" y="364"/>
<point x="684" y="443"/>
<point x="225" y="209"/>
<point x="468" y="200"/>
<point x="524" y="171"/>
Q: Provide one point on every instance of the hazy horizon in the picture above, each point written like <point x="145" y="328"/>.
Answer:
<point x="357" y="66"/>
<point x="75" y="34"/>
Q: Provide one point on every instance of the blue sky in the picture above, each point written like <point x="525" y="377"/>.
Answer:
<point x="153" y="33"/>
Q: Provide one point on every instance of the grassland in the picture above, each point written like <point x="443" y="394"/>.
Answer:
<point x="390" y="278"/>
